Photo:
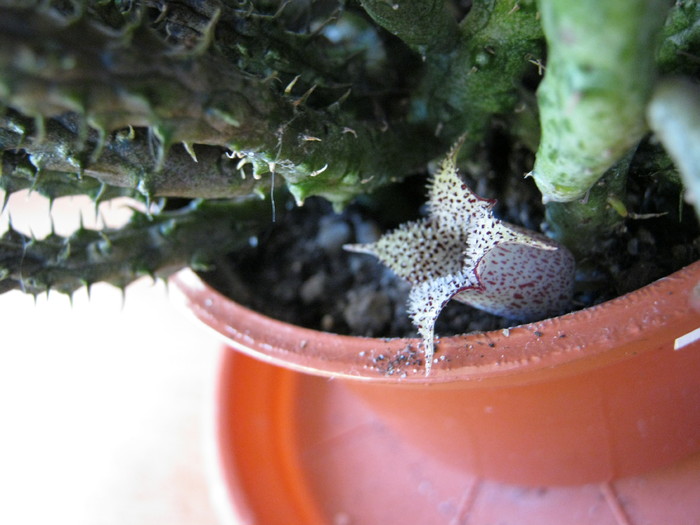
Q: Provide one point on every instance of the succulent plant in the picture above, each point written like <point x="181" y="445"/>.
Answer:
<point x="199" y="109"/>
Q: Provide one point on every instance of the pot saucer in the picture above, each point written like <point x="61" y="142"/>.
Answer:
<point x="291" y="448"/>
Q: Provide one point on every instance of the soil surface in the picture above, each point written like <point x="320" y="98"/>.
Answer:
<point x="297" y="270"/>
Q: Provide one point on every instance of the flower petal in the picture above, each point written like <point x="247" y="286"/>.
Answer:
<point x="427" y="299"/>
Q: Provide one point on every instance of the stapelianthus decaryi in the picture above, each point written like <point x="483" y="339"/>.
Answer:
<point x="461" y="251"/>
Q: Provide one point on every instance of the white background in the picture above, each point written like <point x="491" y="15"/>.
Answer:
<point x="102" y="402"/>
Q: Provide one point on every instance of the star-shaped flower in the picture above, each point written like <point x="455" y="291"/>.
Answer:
<point x="462" y="252"/>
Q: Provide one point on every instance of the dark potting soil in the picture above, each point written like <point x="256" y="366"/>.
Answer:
<point x="297" y="270"/>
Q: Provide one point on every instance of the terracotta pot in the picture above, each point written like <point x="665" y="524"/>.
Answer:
<point x="593" y="396"/>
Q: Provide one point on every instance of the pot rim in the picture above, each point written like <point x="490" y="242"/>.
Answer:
<point x="663" y="313"/>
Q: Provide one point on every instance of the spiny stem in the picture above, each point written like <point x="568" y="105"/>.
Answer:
<point x="18" y="173"/>
<point x="155" y="246"/>
<point x="108" y="83"/>
<point x="126" y="160"/>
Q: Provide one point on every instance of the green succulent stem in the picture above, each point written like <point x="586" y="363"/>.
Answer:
<point x="674" y="116"/>
<point x="592" y="100"/>
<point x="124" y="161"/>
<point x="18" y="174"/>
<point x="473" y="70"/>
<point x="426" y="26"/>
<point x="154" y="246"/>
<point x="499" y="42"/>
<point x="115" y="82"/>
<point x="681" y="40"/>
<point x="581" y="225"/>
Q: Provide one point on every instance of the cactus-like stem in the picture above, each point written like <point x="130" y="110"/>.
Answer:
<point x="499" y="42"/>
<point x="155" y="246"/>
<point x="426" y="26"/>
<point x="600" y="72"/>
<point x="18" y="173"/>
<point x="125" y="160"/>
<point x="113" y="81"/>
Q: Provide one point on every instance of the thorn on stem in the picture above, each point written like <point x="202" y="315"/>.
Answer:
<point x="189" y="148"/>
<point x="302" y="100"/>
<point x="290" y="86"/>
<point x="319" y="171"/>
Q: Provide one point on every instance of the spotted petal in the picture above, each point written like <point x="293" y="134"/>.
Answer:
<point x="427" y="299"/>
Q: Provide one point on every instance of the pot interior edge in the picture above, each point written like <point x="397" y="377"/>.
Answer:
<point x="618" y="329"/>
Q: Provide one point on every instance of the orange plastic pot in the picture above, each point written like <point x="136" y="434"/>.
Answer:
<point x="593" y="396"/>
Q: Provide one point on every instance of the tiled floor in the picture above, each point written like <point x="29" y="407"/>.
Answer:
<point x="101" y="404"/>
